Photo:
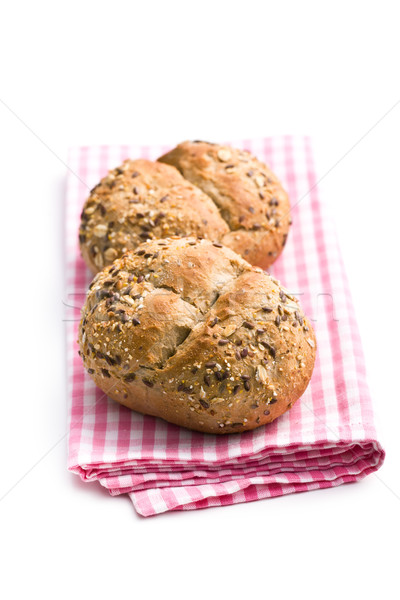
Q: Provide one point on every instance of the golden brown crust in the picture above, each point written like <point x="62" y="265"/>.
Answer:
<point x="248" y="194"/>
<point x="187" y="330"/>
<point x="143" y="200"/>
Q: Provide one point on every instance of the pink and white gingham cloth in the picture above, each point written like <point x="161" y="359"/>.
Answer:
<point x="326" y="439"/>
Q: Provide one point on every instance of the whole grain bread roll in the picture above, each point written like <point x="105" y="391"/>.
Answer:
<point x="186" y="330"/>
<point x="248" y="194"/>
<point x="143" y="200"/>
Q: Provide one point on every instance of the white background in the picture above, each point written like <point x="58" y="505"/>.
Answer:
<point x="120" y="72"/>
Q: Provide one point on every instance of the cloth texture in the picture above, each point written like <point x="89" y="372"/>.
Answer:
<point x="326" y="439"/>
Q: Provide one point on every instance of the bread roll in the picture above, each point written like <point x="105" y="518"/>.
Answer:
<point x="143" y="200"/>
<point x="186" y="330"/>
<point x="249" y="196"/>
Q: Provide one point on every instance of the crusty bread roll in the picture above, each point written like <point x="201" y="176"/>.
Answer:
<point x="186" y="330"/>
<point x="143" y="200"/>
<point x="249" y="196"/>
<point x="220" y="194"/>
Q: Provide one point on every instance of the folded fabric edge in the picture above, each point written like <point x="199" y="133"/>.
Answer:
<point x="92" y="471"/>
<point x="192" y="494"/>
<point x="157" y="501"/>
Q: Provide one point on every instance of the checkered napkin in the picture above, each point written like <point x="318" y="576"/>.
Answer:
<point x="326" y="439"/>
